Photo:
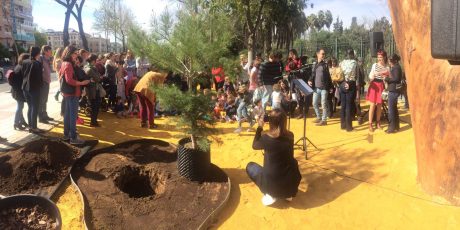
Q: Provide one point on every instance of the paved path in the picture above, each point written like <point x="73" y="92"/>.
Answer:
<point x="8" y="109"/>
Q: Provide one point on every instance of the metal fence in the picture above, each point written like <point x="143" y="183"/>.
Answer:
<point x="338" y="49"/>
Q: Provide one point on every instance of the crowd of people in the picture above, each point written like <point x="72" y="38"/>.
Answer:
<point x="86" y="80"/>
<point x="262" y="93"/>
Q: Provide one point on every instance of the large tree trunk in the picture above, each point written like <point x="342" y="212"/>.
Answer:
<point x="434" y="100"/>
<point x="65" y="35"/>
<point x="82" y="33"/>
<point x="268" y="38"/>
<point x="250" y="48"/>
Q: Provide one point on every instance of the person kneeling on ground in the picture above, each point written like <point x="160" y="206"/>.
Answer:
<point x="279" y="178"/>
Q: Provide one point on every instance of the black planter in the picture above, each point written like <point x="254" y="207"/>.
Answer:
<point x="193" y="164"/>
<point x="32" y="200"/>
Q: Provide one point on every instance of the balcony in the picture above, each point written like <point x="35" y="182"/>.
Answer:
<point x="23" y="3"/>
<point x="24" y="37"/>
<point x="23" y="14"/>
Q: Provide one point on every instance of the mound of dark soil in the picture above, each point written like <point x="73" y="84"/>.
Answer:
<point x="138" y="186"/>
<point x="39" y="164"/>
<point x="26" y="218"/>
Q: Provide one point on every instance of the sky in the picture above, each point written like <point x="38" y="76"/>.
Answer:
<point x="366" y="11"/>
<point x="50" y="15"/>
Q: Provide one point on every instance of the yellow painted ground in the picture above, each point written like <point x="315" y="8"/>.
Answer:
<point x="355" y="181"/>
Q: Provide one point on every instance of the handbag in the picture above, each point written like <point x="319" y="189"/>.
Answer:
<point x="102" y="92"/>
<point x="385" y="95"/>
<point x="66" y="88"/>
<point x="342" y="87"/>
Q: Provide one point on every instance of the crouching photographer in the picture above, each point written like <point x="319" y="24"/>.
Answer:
<point x="279" y="177"/>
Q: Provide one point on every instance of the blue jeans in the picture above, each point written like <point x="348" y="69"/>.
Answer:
<point x="33" y="101"/>
<point x="268" y="89"/>
<point x="393" y="114"/>
<point x="320" y="94"/>
<point x="70" y="117"/>
<point x="242" y="111"/>
<point x="18" y="117"/>
<point x="254" y="172"/>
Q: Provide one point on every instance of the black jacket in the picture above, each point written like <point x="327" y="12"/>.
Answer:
<point x="16" y="86"/>
<point x="395" y="78"/>
<point x="32" y="73"/>
<point x="326" y="80"/>
<point x="280" y="176"/>
<point x="270" y="73"/>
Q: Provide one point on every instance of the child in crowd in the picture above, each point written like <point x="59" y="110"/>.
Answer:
<point x="276" y="97"/>
<point x="120" y="77"/>
<point x="228" y="85"/>
<point x="120" y="108"/>
<point x="220" y="105"/>
<point x="244" y="100"/>
<point x="230" y="108"/>
<point x="258" y="111"/>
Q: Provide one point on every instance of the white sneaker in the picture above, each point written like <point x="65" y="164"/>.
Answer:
<point x="289" y="199"/>
<point x="268" y="200"/>
<point x="238" y="130"/>
<point x="77" y="141"/>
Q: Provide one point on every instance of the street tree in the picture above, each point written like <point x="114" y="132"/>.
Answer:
<point x="68" y="4"/>
<point x="79" y="19"/>
<point x="114" y="17"/>
<point x="40" y="38"/>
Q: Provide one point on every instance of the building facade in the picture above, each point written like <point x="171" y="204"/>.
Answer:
<point x="16" y="16"/>
<point x="96" y="44"/>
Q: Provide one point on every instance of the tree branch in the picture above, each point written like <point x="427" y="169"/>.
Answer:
<point x="259" y="13"/>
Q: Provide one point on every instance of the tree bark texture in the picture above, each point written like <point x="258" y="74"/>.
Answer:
<point x="68" y="4"/>
<point x="78" y="17"/>
<point x="434" y="96"/>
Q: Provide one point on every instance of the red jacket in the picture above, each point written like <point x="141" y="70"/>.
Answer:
<point x="69" y="73"/>
<point x="293" y="65"/>
<point x="218" y="74"/>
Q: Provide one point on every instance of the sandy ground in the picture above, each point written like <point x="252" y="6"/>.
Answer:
<point x="355" y="180"/>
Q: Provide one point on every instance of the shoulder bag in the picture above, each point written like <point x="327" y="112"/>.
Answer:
<point x="66" y="88"/>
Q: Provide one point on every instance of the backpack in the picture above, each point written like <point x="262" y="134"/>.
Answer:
<point x="13" y="79"/>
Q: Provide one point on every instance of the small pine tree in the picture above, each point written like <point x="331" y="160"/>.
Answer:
<point x="195" y="117"/>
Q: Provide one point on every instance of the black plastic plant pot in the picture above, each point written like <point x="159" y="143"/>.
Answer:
<point x="192" y="164"/>
<point x="30" y="201"/>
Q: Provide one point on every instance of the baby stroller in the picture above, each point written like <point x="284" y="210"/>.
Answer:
<point x="85" y="105"/>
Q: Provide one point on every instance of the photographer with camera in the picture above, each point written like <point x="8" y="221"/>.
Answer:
<point x="293" y="62"/>
<point x="280" y="176"/>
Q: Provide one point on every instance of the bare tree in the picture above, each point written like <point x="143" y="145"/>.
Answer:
<point x="114" y="21"/>
<point x="104" y="20"/>
<point x="78" y="17"/>
<point x="68" y="4"/>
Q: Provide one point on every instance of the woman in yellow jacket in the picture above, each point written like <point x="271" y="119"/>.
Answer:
<point x="146" y="97"/>
<point x="336" y="77"/>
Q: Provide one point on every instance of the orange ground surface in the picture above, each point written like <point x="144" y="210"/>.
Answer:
<point x="356" y="180"/>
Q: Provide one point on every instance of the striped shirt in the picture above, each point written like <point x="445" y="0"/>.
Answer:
<point x="376" y="69"/>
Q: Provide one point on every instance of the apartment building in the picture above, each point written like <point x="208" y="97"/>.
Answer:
<point x="16" y="16"/>
<point x="96" y="44"/>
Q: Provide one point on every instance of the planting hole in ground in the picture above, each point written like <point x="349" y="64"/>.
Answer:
<point x="134" y="182"/>
<point x="139" y="183"/>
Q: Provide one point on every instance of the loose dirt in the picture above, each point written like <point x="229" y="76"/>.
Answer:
<point x="137" y="186"/>
<point x="23" y="217"/>
<point x="38" y="165"/>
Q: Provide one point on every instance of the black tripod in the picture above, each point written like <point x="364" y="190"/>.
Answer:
<point x="304" y="138"/>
